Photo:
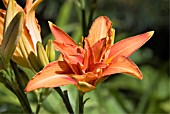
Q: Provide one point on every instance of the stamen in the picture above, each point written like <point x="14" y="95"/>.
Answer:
<point x="81" y="42"/>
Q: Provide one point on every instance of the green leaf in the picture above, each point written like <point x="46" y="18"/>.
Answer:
<point x="165" y="106"/>
<point x="64" y="13"/>
<point x="102" y="102"/>
<point x="7" y="96"/>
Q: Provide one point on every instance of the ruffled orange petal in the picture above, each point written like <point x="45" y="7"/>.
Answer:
<point x="72" y="54"/>
<point x="67" y="48"/>
<point x="128" y="46"/>
<point x="99" y="49"/>
<point x="53" y="75"/>
<point x="88" y="56"/>
<point x="74" y="62"/>
<point x="123" y="65"/>
<point x="60" y="35"/>
<point x="101" y="28"/>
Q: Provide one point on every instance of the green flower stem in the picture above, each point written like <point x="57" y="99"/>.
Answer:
<point x="81" y="102"/>
<point x="65" y="99"/>
<point x="83" y="19"/>
<point x="42" y="95"/>
<point x="38" y="107"/>
<point x="84" y="23"/>
<point x="18" y="76"/>
<point x="66" y="95"/>
<point x="92" y="10"/>
<point x="21" y="97"/>
<point x="12" y="84"/>
<point x="19" y="89"/>
<point x="23" y="101"/>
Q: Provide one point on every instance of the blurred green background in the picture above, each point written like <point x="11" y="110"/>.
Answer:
<point x="120" y="93"/>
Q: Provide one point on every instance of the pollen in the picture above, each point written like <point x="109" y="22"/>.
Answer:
<point x="98" y="70"/>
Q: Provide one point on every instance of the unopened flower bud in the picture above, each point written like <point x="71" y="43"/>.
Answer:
<point x="50" y="51"/>
<point x="11" y="36"/>
<point x="41" y="54"/>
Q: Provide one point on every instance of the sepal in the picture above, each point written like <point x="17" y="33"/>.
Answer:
<point x="11" y="36"/>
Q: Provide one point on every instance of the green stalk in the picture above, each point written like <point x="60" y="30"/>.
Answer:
<point x="12" y="84"/>
<point x="23" y="101"/>
<point x="18" y="76"/>
<point x="42" y="95"/>
<point x="81" y="102"/>
<point x="65" y="100"/>
<point x="19" y="91"/>
<point x="38" y="107"/>
<point x="83" y="20"/>
<point x="21" y="97"/>
<point x="84" y="23"/>
<point x="92" y="10"/>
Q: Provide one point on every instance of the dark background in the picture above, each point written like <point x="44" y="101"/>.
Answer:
<point x="129" y="17"/>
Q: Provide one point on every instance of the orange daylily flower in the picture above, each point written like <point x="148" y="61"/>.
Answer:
<point x="31" y="32"/>
<point x="88" y="66"/>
